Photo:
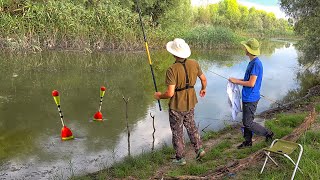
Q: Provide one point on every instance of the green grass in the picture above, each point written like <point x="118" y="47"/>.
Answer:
<point x="218" y="150"/>
<point x="141" y="166"/>
<point x="318" y="107"/>
<point x="239" y="154"/>
<point x="144" y="165"/>
<point x="309" y="162"/>
<point x="211" y="37"/>
<point x="209" y="135"/>
<point x="285" y="123"/>
<point x="211" y="160"/>
<point x="224" y="152"/>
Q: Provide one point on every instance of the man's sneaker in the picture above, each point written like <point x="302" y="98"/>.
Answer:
<point x="200" y="154"/>
<point x="179" y="162"/>
<point x="245" y="144"/>
<point x="269" y="137"/>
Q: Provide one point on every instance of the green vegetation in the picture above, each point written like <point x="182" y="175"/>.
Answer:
<point x="305" y="15"/>
<point x="285" y="123"/>
<point x="210" y="37"/>
<point x="110" y="25"/>
<point x="142" y="166"/>
<point x="309" y="162"/>
<point x="230" y="14"/>
<point x="318" y="107"/>
<point x="209" y="135"/>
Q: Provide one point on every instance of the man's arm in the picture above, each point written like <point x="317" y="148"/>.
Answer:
<point x="168" y="94"/>
<point x="204" y="85"/>
<point x="250" y="83"/>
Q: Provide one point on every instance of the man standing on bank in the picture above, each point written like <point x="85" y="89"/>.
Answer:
<point x="251" y="93"/>
<point x="180" y="80"/>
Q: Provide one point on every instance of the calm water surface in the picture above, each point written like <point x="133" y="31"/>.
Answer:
<point x="30" y="145"/>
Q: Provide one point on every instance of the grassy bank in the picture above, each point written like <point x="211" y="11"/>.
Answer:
<point x="309" y="162"/>
<point x="221" y="149"/>
<point x="114" y="25"/>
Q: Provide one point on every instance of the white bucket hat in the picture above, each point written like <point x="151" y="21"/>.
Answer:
<point x="179" y="48"/>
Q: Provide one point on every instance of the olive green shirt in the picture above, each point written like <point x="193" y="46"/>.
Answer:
<point x="186" y="99"/>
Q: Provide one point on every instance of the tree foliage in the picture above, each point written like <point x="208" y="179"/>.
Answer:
<point x="306" y="16"/>
<point x="89" y="23"/>
<point x="114" y="24"/>
<point x="229" y="13"/>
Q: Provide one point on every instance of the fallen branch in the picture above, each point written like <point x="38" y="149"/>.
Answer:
<point x="314" y="91"/>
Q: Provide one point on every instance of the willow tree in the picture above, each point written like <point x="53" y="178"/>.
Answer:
<point x="306" y="15"/>
<point x="231" y="11"/>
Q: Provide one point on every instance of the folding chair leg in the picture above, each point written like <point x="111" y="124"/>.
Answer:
<point x="273" y="160"/>
<point x="265" y="162"/>
<point x="297" y="164"/>
<point x="293" y="163"/>
<point x="268" y="156"/>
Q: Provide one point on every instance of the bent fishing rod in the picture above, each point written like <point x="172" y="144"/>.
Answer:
<point x="148" y="53"/>
<point x="260" y="94"/>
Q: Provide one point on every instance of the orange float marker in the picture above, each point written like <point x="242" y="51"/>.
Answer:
<point x="66" y="133"/>
<point x="98" y="115"/>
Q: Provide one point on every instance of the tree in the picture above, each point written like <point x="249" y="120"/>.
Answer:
<point x="306" y="15"/>
<point x="203" y="15"/>
<point x="163" y="12"/>
<point x="243" y="23"/>
<point x="232" y="12"/>
<point x="254" y="20"/>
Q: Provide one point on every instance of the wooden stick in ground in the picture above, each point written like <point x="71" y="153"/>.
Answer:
<point x="241" y="164"/>
<point x="127" y="121"/>
<point x="154" y="131"/>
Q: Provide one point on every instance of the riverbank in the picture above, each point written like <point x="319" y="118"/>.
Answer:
<point x="35" y="26"/>
<point x="222" y="153"/>
<point x="200" y="37"/>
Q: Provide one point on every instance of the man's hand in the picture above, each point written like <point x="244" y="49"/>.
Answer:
<point x="202" y="93"/>
<point x="157" y="95"/>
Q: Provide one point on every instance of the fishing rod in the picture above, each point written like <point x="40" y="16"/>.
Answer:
<point x="260" y="94"/>
<point x="148" y="53"/>
<point x="219" y="75"/>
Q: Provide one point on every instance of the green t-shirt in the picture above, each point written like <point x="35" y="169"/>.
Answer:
<point x="186" y="99"/>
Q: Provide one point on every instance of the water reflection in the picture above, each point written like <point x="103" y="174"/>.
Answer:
<point x="30" y="126"/>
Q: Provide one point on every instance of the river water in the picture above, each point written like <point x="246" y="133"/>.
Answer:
<point x="30" y="145"/>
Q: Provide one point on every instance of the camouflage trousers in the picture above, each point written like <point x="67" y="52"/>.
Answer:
<point x="177" y="121"/>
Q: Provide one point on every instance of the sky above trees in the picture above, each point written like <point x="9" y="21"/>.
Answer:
<point x="266" y="5"/>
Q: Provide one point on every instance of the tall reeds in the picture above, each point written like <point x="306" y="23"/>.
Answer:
<point x="69" y="25"/>
<point x="102" y="25"/>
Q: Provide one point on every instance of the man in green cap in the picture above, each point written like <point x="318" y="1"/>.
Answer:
<point x="251" y="93"/>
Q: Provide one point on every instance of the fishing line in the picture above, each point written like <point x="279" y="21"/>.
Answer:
<point x="267" y="98"/>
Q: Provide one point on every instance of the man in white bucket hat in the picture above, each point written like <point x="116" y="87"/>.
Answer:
<point x="180" y="79"/>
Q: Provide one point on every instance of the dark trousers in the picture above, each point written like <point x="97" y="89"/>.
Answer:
<point x="249" y="108"/>
<point x="177" y="121"/>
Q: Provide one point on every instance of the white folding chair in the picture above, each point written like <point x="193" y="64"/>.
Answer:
<point x="284" y="148"/>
